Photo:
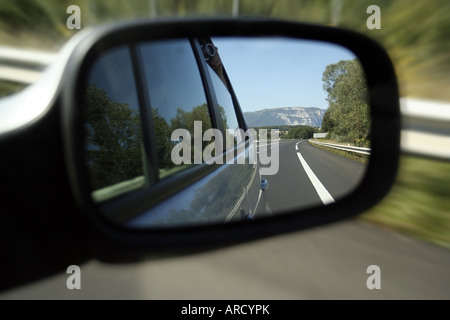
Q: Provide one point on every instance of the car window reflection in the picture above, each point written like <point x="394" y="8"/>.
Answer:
<point x="113" y="137"/>
<point x="176" y="95"/>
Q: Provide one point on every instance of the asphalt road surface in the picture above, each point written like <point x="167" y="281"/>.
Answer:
<point x="308" y="176"/>
<point x="329" y="262"/>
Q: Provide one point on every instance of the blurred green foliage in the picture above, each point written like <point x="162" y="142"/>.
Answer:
<point x="416" y="34"/>
<point x="418" y="202"/>
<point x="7" y="88"/>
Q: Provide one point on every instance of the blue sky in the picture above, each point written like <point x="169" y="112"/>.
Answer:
<point x="278" y="72"/>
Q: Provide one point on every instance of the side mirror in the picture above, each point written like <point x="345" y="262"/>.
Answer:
<point x="169" y="148"/>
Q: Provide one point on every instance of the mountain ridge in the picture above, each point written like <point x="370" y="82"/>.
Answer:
<point x="291" y="116"/>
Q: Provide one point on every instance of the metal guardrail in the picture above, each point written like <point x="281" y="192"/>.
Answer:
<point x="426" y="124"/>
<point x="359" y="150"/>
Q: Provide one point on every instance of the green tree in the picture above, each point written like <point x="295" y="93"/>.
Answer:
<point x="348" y="116"/>
<point x="113" y="140"/>
<point x="163" y="134"/>
<point x="301" y="132"/>
<point x="327" y="121"/>
<point x="185" y="119"/>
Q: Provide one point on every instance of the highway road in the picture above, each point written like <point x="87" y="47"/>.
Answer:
<point x="309" y="176"/>
<point x="328" y="262"/>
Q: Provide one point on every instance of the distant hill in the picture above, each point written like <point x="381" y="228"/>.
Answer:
<point x="285" y="116"/>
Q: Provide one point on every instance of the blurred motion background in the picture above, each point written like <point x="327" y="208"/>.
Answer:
<point x="416" y="35"/>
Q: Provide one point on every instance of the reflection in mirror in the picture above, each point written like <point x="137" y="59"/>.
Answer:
<point x="113" y="136"/>
<point x="284" y="123"/>
<point x="314" y="94"/>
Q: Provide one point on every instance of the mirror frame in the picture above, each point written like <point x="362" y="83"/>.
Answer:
<point x="114" y="243"/>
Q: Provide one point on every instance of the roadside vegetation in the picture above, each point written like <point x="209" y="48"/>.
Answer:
<point x="8" y="88"/>
<point x="418" y="204"/>
<point x="347" y="119"/>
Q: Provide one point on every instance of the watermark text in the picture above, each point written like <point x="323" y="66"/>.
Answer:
<point x="190" y="150"/>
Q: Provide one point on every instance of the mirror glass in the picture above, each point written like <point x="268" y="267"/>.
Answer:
<point x="196" y="131"/>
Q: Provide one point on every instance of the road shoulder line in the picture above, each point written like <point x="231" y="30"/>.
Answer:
<point x="323" y="193"/>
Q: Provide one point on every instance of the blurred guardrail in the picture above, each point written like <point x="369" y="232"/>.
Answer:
<point x="344" y="148"/>
<point x="425" y="127"/>
<point x="425" y="124"/>
<point x="23" y="66"/>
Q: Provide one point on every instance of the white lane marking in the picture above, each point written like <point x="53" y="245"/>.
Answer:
<point x="323" y="193"/>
